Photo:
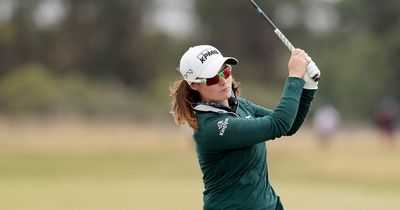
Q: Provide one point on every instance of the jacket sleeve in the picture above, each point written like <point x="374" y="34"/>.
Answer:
<point x="305" y="104"/>
<point x="229" y="132"/>
<point x="306" y="98"/>
<point x="259" y="111"/>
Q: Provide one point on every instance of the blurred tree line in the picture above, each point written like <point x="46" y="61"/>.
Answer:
<point x="101" y="58"/>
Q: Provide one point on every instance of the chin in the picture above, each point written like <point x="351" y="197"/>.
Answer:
<point x="228" y="94"/>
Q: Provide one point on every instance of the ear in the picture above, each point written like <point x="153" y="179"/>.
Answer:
<point x="195" y="86"/>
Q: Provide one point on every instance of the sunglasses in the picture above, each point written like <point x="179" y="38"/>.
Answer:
<point x="225" y="73"/>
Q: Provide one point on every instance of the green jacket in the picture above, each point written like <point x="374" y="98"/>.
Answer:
<point x="231" y="148"/>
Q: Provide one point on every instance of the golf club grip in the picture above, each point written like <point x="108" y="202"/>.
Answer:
<point x="284" y="40"/>
<point x="289" y="45"/>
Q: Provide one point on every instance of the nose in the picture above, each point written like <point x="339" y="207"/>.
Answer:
<point x="222" y="81"/>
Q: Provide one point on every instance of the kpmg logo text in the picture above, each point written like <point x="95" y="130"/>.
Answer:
<point x="203" y="56"/>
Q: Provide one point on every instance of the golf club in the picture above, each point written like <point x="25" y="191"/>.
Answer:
<point x="312" y="69"/>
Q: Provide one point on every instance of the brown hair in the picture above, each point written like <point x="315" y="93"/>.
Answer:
<point x="183" y="96"/>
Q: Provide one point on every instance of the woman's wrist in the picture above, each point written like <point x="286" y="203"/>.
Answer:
<point x="295" y="75"/>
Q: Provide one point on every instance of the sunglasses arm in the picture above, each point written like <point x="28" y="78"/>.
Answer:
<point x="202" y="81"/>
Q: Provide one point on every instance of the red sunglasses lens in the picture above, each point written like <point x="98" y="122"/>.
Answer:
<point x="212" y="81"/>
<point x="227" y="73"/>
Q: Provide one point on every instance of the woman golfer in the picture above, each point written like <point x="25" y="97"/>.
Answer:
<point x="230" y="132"/>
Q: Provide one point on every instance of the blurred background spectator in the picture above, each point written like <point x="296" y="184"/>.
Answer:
<point x="326" y="122"/>
<point x="386" y="118"/>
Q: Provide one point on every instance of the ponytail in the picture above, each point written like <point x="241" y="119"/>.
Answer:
<point x="181" y="107"/>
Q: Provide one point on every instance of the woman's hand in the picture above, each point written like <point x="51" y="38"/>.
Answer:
<point x="298" y="63"/>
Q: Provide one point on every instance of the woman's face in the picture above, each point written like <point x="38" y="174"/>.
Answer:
<point x="219" y="92"/>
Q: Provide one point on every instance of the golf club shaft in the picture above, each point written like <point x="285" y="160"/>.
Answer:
<point x="276" y="30"/>
<point x="285" y="41"/>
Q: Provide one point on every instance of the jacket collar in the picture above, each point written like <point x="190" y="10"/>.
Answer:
<point x="208" y="108"/>
<point x="218" y="108"/>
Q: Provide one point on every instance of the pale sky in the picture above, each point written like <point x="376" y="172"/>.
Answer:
<point x="178" y="18"/>
<point x="6" y="8"/>
<point x="49" y="13"/>
<point x="174" y="17"/>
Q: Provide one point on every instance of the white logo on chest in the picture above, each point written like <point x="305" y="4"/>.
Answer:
<point x="222" y="125"/>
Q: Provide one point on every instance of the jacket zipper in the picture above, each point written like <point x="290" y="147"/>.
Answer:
<point x="236" y="115"/>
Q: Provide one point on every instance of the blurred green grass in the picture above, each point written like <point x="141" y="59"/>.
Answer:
<point x="125" y="165"/>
